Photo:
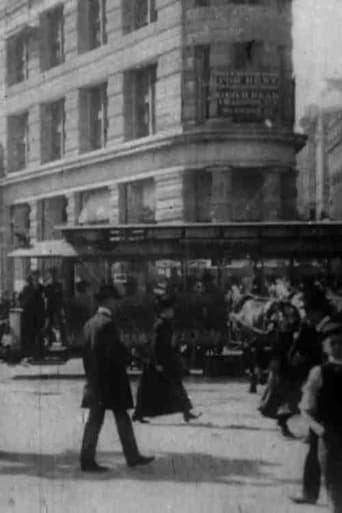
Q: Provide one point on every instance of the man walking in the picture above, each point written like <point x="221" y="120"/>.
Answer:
<point x="107" y="386"/>
<point x="312" y="348"/>
<point x="32" y="301"/>
<point x="322" y="405"/>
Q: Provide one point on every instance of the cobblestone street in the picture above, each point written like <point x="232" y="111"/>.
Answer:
<point x="230" y="460"/>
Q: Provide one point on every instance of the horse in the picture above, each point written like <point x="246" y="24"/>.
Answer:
<point x="255" y="322"/>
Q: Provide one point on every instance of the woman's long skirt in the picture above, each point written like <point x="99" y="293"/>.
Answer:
<point x="160" y="394"/>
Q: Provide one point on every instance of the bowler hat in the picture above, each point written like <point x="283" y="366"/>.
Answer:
<point x="107" y="292"/>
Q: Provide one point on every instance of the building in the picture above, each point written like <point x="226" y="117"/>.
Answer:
<point x="320" y="161"/>
<point x="307" y="160"/>
<point x="129" y="111"/>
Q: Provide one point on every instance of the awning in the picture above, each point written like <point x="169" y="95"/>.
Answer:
<point x="45" y="249"/>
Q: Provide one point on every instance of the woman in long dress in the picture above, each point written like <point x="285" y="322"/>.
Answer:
<point x="161" y="390"/>
<point x="282" y="393"/>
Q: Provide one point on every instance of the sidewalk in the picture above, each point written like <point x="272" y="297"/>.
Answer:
<point x="231" y="460"/>
<point x="72" y="369"/>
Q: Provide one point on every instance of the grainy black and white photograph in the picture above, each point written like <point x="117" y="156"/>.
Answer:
<point x="170" y="256"/>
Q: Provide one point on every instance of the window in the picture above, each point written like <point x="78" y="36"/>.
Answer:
<point x="51" y="213"/>
<point x="94" y="207"/>
<point x="52" y="38"/>
<point x="20" y="225"/>
<point x="92" y="24"/>
<point x="52" y="123"/>
<point x="202" y="3"/>
<point x="17" y="142"/>
<point x="138" y="14"/>
<point x="140" y="198"/>
<point x="248" y="55"/>
<point x="93" y="118"/>
<point x="17" y="57"/>
<point x="202" y="73"/>
<point x="140" y="102"/>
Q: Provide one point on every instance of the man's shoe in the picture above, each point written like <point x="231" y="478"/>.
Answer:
<point x="188" y="415"/>
<point x="93" y="467"/>
<point x="138" y="418"/>
<point x="302" y="500"/>
<point x="141" y="460"/>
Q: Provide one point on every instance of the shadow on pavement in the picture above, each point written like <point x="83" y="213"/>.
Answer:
<point x="210" y="425"/>
<point x="185" y="468"/>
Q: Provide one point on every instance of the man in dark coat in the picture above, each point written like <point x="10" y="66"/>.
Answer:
<point x="322" y="406"/>
<point x="32" y="301"/>
<point x="55" y="315"/>
<point x="107" y="386"/>
<point x="310" y="346"/>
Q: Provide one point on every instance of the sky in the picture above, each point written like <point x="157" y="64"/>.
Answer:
<point x="317" y="35"/>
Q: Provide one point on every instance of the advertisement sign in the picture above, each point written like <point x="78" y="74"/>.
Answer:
<point x="245" y="96"/>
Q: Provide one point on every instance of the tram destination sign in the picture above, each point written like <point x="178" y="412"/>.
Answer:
<point x="246" y="96"/>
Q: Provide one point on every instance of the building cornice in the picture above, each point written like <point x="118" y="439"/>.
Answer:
<point x="157" y="143"/>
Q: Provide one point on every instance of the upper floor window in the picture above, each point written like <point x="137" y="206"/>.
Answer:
<point x="139" y="201"/>
<point x="93" y="117"/>
<point x="20" y="225"/>
<point x="202" y="74"/>
<point x="51" y="213"/>
<point x="52" y="38"/>
<point x="139" y="96"/>
<point x="92" y="24"/>
<point x="17" y="142"/>
<point x="52" y="122"/>
<point x="17" y="58"/>
<point x="138" y="13"/>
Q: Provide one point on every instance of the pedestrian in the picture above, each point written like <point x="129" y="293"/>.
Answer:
<point x="107" y="384"/>
<point x="322" y="406"/>
<point x="282" y="393"/>
<point x="55" y="314"/>
<point x="78" y="311"/>
<point x="32" y="301"/>
<point x="312" y="344"/>
<point x="161" y="390"/>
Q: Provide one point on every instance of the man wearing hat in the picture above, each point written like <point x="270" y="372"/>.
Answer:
<point x="322" y="405"/>
<point x="312" y="347"/>
<point x="107" y="386"/>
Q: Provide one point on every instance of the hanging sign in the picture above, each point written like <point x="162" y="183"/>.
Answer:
<point x="245" y="96"/>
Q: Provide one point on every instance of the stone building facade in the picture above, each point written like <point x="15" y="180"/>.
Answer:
<point x="320" y="161"/>
<point x="138" y="111"/>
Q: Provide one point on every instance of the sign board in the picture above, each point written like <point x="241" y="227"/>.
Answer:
<point x="245" y="96"/>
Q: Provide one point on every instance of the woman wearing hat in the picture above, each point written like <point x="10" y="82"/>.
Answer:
<point x="161" y="391"/>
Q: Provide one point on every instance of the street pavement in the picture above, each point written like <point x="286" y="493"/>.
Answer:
<point x="231" y="460"/>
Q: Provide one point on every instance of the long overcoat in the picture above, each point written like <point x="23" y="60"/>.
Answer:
<point x="105" y="359"/>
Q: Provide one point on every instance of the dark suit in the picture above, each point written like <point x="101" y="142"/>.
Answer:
<point x="107" y="386"/>
<point x="31" y="300"/>
<point x="309" y="346"/>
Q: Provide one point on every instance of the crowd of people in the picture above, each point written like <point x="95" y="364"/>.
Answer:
<point x="305" y="375"/>
<point x="307" y="358"/>
<point x="304" y="371"/>
<point x="47" y="316"/>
